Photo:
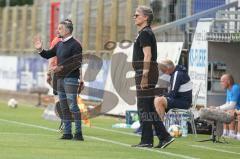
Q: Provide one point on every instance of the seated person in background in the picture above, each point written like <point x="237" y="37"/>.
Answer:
<point x="180" y="92"/>
<point x="232" y="102"/>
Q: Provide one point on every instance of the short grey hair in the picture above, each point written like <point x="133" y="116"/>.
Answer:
<point x="166" y="64"/>
<point x="147" y="11"/>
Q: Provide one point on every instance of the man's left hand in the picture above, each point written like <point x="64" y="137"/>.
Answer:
<point x="57" y="69"/>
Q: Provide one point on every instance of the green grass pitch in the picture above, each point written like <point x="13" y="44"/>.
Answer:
<point x="24" y="134"/>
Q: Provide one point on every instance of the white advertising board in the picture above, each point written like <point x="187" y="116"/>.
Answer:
<point x="120" y="79"/>
<point x="8" y="72"/>
<point x="198" y="60"/>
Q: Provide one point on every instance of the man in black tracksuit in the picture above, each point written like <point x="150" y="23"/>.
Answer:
<point x="146" y="77"/>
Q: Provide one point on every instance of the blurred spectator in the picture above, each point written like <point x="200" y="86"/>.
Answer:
<point x="232" y="103"/>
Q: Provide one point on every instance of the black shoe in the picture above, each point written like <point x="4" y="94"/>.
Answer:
<point x="164" y="143"/>
<point x="78" y="136"/>
<point x="143" y="145"/>
<point x="66" y="137"/>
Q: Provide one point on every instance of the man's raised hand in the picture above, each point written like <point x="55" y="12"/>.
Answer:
<point x="37" y="41"/>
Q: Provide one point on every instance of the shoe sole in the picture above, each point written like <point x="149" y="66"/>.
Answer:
<point x="168" y="143"/>
<point x="65" y="138"/>
<point x="136" y="146"/>
<point x="78" y="139"/>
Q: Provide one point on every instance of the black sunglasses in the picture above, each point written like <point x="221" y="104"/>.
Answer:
<point x="135" y="15"/>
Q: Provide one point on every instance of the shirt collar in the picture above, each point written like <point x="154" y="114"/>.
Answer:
<point x="173" y="71"/>
<point x="66" y="39"/>
<point x="147" y="26"/>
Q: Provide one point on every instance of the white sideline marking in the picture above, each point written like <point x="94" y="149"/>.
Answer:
<point x="25" y="134"/>
<point x="116" y="131"/>
<point x="126" y="133"/>
<point x="147" y="149"/>
<point x="29" y="125"/>
<point x="214" y="149"/>
<point x="101" y="139"/>
<point x="229" y="146"/>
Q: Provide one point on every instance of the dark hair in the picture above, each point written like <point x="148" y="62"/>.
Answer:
<point x="147" y="11"/>
<point x="68" y="20"/>
<point x="68" y="24"/>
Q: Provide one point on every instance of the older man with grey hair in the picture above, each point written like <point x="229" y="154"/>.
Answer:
<point x="180" y="92"/>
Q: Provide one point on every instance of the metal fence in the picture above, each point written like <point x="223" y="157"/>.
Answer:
<point x="95" y="22"/>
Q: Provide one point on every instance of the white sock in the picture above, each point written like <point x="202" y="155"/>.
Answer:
<point x="225" y="132"/>
<point x="232" y="133"/>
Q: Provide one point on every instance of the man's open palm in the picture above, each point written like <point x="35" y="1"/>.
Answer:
<point x="37" y="41"/>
